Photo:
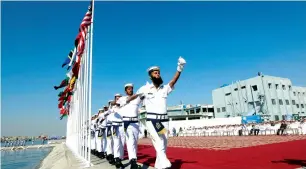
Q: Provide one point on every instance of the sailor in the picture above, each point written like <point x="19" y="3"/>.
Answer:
<point x="92" y="132"/>
<point x="129" y="111"/>
<point x="118" y="131"/>
<point x="109" y="138"/>
<point x="155" y="100"/>
<point x="100" y="131"/>
<point x="103" y="126"/>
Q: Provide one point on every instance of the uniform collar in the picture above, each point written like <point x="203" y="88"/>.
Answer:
<point x="151" y="85"/>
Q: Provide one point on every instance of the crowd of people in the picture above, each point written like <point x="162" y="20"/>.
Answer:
<point x="117" y="123"/>
<point x="264" y="128"/>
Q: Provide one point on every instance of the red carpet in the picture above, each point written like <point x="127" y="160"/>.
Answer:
<point x="286" y="155"/>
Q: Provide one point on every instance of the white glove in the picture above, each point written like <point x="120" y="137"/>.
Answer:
<point x="180" y="64"/>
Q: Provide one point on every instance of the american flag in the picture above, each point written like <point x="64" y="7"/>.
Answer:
<point x="83" y="32"/>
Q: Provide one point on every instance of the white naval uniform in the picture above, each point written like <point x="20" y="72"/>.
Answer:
<point x="96" y="135"/>
<point x="99" y="131"/>
<point x="129" y="113"/>
<point x="156" y="107"/>
<point x="93" y="140"/>
<point x="103" y="126"/>
<point x="118" y="132"/>
<point x="108" y="132"/>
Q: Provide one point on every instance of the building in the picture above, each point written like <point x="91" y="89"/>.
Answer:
<point x="187" y="112"/>
<point x="273" y="98"/>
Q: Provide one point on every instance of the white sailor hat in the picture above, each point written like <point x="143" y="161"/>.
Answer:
<point x="105" y="106"/>
<point x="128" y="85"/>
<point x="153" y="68"/>
<point x="117" y="94"/>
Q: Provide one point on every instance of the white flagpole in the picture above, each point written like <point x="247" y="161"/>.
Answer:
<point x="90" y="71"/>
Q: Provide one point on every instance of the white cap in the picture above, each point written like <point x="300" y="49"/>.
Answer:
<point x="153" y="68"/>
<point x="105" y="106"/>
<point x="101" y="109"/>
<point x="128" y="85"/>
<point x="117" y="94"/>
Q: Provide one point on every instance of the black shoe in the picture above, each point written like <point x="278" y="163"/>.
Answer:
<point x="134" y="164"/>
<point x="101" y="155"/>
<point x="118" y="163"/>
<point x="111" y="159"/>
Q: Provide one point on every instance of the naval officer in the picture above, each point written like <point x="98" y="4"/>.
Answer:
<point x="109" y="138"/>
<point x="155" y="100"/>
<point x="118" y="132"/>
<point x="129" y="111"/>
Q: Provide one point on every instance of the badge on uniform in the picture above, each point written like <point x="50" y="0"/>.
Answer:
<point x="109" y="132"/>
<point x="159" y="127"/>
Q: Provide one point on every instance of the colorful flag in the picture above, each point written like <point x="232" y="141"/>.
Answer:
<point x="63" y="84"/>
<point x="62" y="116"/>
<point x="67" y="61"/>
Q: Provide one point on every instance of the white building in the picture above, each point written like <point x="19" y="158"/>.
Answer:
<point x="271" y="97"/>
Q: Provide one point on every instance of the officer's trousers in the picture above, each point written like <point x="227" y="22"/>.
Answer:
<point x="104" y="141"/>
<point x="93" y="141"/>
<point x="118" y="138"/>
<point x="99" y="143"/>
<point x="131" y="139"/>
<point x="109" y="141"/>
<point x="160" y="144"/>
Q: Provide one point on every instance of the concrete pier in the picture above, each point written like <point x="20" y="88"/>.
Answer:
<point x="62" y="158"/>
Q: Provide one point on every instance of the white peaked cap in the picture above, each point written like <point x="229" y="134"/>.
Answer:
<point x="117" y="94"/>
<point x="153" y="68"/>
<point x="105" y="106"/>
<point x="101" y="109"/>
<point x="128" y="85"/>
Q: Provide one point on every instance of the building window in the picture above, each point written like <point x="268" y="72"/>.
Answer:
<point x="294" y="94"/>
<point x="276" y="118"/>
<point x="269" y="85"/>
<point x="289" y="88"/>
<point x="273" y="102"/>
<point x="280" y="102"/>
<point x="293" y="102"/>
<point x="198" y="110"/>
<point x="287" y="102"/>
<point x="192" y="111"/>
<point x="242" y="87"/>
<point x="298" y="93"/>
<point x="223" y="109"/>
<point x="218" y="110"/>
<point x="302" y="105"/>
<point x="236" y="89"/>
<point x="284" y="87"/>
<point x="297" y="106"/>
<point x="276" y="86"/>
<point x="254" y="87"/>
<point x="227" y="94"/>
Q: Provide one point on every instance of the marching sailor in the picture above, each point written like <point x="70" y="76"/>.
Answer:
<point x="92" y="132"/>
<point x="103" y="126"/>
<point x="100" y="130"/>
<point x="129" y="112"/>
<point x="155" y="100"/>
<point x="118" y="132"/>
<point x="109" y="138"/>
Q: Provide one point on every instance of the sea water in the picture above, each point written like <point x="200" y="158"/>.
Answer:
<point x="23" y="159"/>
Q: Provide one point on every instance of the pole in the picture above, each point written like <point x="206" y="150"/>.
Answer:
<point x="90" y="71"/>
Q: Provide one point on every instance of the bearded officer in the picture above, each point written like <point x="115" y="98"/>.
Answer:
<point x="129" y="112"/>
<point x="155" y="100"/>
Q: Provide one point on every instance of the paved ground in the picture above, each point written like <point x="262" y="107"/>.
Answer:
<point x="225" y="142"/>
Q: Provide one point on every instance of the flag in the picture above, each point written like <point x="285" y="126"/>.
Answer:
<point x="63" y="84"/>
<point x="62" y="116"/>
<point x="67" y="61"/>
<point x="60" y="94"/>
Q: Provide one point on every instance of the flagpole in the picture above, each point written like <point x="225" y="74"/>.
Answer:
<point x="90" y="70"/>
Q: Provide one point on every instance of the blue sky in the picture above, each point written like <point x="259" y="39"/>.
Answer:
<point x="221" y="42"/>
